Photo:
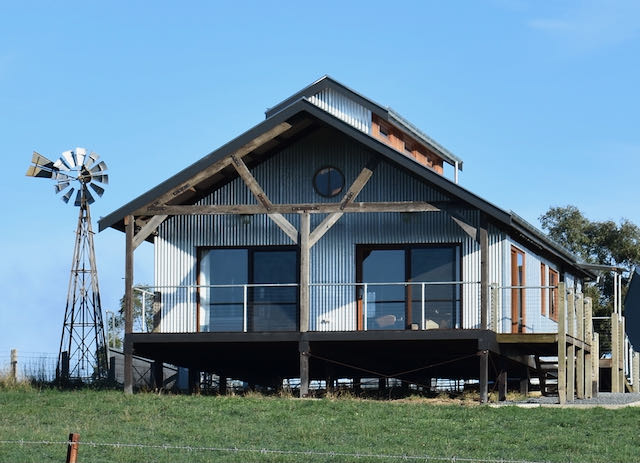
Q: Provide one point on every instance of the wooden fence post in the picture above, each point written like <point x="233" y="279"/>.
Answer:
<point x="579" y="350"/>
<point x="615" y="351"/>
<point x="14" y="364"/>
<point x="595" y="372"/>
<point x="635" y="364"/>
<point x="588" y="337"/>
<point x="72" y="447"/>
<point x="562" y="345"/>
<point x="571" y="350"/>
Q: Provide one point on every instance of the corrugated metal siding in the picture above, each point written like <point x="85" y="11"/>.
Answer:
<point x="343" y="108"/>
<point x="287" y="177"/>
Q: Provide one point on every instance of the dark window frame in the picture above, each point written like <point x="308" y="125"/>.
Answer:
<point x="200" y="250"/>
<point x="361" y="250"/>
<point x="328" y="194"/>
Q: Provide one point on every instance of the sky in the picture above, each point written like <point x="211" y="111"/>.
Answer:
<point x="541" y="100"/>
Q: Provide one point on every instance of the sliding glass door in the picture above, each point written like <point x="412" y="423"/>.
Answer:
<point x="254" y="288"/>
<point x="432" y="300"/>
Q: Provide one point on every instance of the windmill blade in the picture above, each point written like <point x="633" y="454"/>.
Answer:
<point x="67" y="195"/>
<point x="41" y="161"/>
<point x="67" y="159"/>
<point x="97" y="189"/>
<point x="61" y="186"/>
<point x="80" y="153"/>
<point x="37" y="171"/>
<point x="59" y="165"/>
<point x="90" y="159"/>
<point x="100" y="167"/>
<point x="101" y="178"/>
<point x="88" y="196"/>
<point x="78" y="201"/>
<point x="62" y="177"/>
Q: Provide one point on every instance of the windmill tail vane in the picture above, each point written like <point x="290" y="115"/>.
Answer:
<point x="72" y="166"/>
<point x="82" y="355"/>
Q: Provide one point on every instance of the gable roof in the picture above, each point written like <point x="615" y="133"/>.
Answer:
<point x="300" y="114"/>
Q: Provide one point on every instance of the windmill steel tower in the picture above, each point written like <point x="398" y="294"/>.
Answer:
<point x="83" y="347"/>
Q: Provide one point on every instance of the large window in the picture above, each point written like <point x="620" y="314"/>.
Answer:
<point x="390" y="304"/>
<point x="250" y="287"/>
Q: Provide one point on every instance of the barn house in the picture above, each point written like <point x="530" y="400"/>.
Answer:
<point x="333" y="240"/>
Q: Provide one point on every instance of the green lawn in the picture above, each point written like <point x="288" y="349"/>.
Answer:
<point x="407" y="427"/>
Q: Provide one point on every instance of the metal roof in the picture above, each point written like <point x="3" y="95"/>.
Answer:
<point x="384" y="112"/>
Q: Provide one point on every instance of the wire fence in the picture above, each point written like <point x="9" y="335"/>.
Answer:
<point x="31" y="366"/>
<point x="324" y="455"/>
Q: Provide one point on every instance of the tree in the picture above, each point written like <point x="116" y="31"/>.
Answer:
<point x="116" y="335"/>
<point x="595" y="242"/>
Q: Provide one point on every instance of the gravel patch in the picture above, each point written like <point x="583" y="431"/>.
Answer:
<point x="604" y="399"/>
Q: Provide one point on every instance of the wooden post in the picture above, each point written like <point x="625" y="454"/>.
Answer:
<point x="562" y="345"/>
<point x="571" y="349"/>
<point x="157" y="371"/>
<point x="595" y="371"/>
<point x="588" y="337"/>
<point x="484" y="376"/>
<point x="524" y="382"/>
<point x="128" y="305"/>
<point x="72" y="447"/>
<point x="305" y="225"/>
<point x="484" y="271"/>
<point x="635" y="364"/>
<point x="14" y="364"/>
<point x="580" y="351"/>
<point x="303" y="348"/>
<point x="222" y="383"/>
<point x="112" y="369"/>
<point x="65" y="366"/>
<point x="502" y="386"/>
<point x="615" y="350"/>
<point x="494" y="308"/>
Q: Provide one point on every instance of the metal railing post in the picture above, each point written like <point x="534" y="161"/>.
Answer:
<point x="244" y="308"/>
<point x="422" y="323"/>
<point x="364" y="308"/>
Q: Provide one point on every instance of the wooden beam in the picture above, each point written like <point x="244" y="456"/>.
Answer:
<point x="218" y="165"/>
<point x="129" y="223"/>
<point x="312" y="208"/>
<point x="484" y="376"/>
<point x="635" y="372"/>
<point x="147" y="229"/>
<point x="580" y="366"/>
<point x="562" y="345"/>
<point x="305" y="225"/>
<point x="303" y="348"/>
<point x="615" y="350"/>
<point x="595" y="357"/>
<point x="571" y="348"/>
<point x="351" y="194"/>
<point x="262" y="197"/>
<point x="588" y="337"/>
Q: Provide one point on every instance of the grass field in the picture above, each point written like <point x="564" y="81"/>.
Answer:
<point x="345" y="425"/>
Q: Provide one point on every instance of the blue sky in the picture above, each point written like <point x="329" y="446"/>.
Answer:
<point x="540" y="100"/>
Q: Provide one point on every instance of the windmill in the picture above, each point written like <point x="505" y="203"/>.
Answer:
<point x="82" y="354"/>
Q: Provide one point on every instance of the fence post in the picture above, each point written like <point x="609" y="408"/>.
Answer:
<point x="621" y="345"/>
<point x="615" y="350"/>
<point x="580" y="350"/>
<point x="571" y="350"/>
<point x="14" y="364"/>
<point x="636" y="372"/>
<point x="595" y="372"/>
<point x="72" y="447"/>
<point x="588" y="338"/>
<point x="494" y="307"/>
<point x="562" y="345"/>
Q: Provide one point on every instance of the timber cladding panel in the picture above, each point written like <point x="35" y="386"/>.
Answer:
<point x="404" y="143"/>
<point x="287" y="177"/>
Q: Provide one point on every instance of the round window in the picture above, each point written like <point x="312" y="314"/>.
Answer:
<point x="328" y="181"/>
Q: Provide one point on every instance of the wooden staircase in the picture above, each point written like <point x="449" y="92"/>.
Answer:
<point x="548" y="374"/>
